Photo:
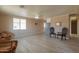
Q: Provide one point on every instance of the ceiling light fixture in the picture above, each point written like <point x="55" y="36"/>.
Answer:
<point x="21" y="6"/>
<point x="36" y="17"/>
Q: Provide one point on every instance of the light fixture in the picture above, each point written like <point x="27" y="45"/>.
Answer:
<point x="36" y="17"/>
<point x="58" y="23"/>
<point x="21" y="6"/>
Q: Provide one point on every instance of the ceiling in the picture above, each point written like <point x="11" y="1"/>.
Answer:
<point x="39" y="10"/>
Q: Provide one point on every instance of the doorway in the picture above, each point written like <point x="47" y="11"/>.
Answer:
<point x="46" y="28"/>
<point x="73" y="25"/>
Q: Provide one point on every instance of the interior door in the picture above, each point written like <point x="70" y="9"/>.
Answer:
<point x="74" y="27"/>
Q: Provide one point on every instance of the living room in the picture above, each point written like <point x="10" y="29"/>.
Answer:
<point x="31" y="24"/>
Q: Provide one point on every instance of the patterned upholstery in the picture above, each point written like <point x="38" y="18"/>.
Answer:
<point x="6" y="35"/>
<point x="8" y="46"/>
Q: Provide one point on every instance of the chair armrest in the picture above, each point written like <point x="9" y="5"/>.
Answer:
<point x="13" y="45"/>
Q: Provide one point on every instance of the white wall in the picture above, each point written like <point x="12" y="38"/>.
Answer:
<point x="6" y="24"/>
<point x="63" y="19"/>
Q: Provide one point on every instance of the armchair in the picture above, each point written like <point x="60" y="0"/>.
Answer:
<point x="52" y="31"/>
<point x="63" y="33"/>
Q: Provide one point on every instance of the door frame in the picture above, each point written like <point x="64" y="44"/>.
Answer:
<point x="72" y="15"/>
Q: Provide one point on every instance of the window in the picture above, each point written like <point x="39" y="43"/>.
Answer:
<point x="19" y="24"/>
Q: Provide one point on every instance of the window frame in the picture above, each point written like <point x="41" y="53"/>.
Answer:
<point x="19" y="23"/>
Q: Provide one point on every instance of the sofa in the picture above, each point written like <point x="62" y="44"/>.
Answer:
<point x="6" y="35"/>
<point x="7" y="45"/>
